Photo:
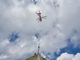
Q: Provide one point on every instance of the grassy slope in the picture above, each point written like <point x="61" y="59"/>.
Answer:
<point x="35" y="56"/>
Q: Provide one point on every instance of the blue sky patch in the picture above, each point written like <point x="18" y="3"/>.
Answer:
<point x="34" y="1"/>
<point x="37" y="35"/>
<point x="13" y="37"/>
<point x="68" y="49"/>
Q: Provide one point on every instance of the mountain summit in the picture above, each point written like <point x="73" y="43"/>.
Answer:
<point x="37" y="56"/>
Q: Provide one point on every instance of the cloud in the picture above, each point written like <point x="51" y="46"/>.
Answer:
<point x="66" y="56"/>
<point x="3" y="57"/>
<point x="20" y="16"/>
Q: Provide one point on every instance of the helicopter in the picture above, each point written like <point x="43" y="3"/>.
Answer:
<point x="40" y="17"/>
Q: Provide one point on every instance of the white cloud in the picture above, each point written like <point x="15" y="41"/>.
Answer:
<point x="66" y="56"/>
<point x="20" y="16"/>
<point x="3" y="57"/>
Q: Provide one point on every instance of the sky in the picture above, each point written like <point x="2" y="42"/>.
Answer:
<point x="58" y="34"/>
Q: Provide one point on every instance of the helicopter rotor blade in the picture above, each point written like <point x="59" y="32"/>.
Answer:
<point x="44" y="16"/>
